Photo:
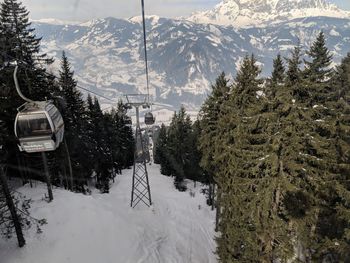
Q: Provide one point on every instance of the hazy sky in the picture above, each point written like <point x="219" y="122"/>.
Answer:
<point x="81" y="10"/>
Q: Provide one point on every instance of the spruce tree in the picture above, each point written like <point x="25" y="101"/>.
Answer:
<point x="127" y="140"/>
<point x="210" y="114"/>
<point x="278" y="73"/>
<point x="252" y="230"/>
<point x="5" y="195"/>
<point x="161" y="151"/>
<point x="75" y="119"/>
<point x="23" y="46"/>
<point x="317" y="71"/>
<point x="294" y="61"/>
<point x="334" y="219"/>
<point x="178" y="147"/>
<point x="193" y="169"/>
<point x="278" y="77"/>
<point x="19" y="43"/>
<point x="98" y="146"/>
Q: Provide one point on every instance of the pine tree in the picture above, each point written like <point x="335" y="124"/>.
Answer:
<point x="98" y="147"/>
<point x="193" y="169"/>
<point x="210" y="114"/>
<point x="75" y="119"/>
<point x="294" y="75"/>
<point x="278" y="73"/>
<point x="249" y="204"/>
<point x="318" y="69"/>
<point x="161" y="154"/>
<point x="334" y="219"/>
<point x="5" y="192"/>
<point x="178" y="148"/>
<point x="317" y="72"/>
<point x="127" y="140"/>
<point x="23" y="46"/>
<point x="278" y="77"/>
<point x="19" y="43"/>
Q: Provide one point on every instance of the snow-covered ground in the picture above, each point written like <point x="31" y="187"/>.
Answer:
<point x="104" y="229"/>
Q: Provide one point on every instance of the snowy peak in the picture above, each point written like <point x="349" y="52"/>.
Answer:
<point x="280" y="5"/>
<point x="243" y="13"/>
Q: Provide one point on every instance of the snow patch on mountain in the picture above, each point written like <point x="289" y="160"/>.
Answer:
<point x="247" y="13"/>
<point x="184" y="57"/>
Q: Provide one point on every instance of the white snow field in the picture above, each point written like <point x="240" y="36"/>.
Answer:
<point x="102" y="228"/>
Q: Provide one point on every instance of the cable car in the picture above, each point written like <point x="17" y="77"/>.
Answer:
<point x="128" y="121"/>
<point x="149" y="119"/>
<point x="39" y="127"/>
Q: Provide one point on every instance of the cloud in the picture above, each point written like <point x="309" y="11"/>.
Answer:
<point x="88" y="9"/>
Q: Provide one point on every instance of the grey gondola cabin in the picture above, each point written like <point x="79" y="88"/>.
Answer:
<point x="39" y="127"/>
<point x="149" y="119"/>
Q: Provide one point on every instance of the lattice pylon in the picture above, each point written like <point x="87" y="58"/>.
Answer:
<point x="141" y="191"/>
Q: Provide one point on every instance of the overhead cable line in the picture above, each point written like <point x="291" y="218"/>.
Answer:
<point x="24" y="64"/>
<point x="145" y="46"/>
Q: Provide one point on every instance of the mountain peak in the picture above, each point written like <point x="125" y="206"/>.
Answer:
<point x="242" y="13"/>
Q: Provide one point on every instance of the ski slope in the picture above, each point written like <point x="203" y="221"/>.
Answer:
<point x="178" y="228"/>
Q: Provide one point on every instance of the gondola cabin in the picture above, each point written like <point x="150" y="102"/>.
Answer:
<point x="149" y="119"/>
<point x="128" y="121"/>
<point x="39" y="127"/>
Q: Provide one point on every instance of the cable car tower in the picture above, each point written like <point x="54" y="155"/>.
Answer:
<point x="141" y="191"/>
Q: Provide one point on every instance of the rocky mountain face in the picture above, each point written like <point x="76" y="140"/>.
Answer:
<point x="247" y="13"/>
<point x="185" y="57"/>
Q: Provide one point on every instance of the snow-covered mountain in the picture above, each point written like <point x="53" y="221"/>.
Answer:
<point x="185" y="57"/>
<point x="244" y="13"/>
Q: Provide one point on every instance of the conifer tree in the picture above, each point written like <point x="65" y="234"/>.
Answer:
<point x="23" y="46"/>
<point x="19" y="43"/>
<point x="161" y="154"/>
<point x="178" y="148"/>
<point x="98" y="147"/>
<point x="249" y="218"/>
<point x="5" y="192"/>
<point x="278" y="73"/>
<point x="192" y="167"/>
<point x="294" y="62"/>
<point x="318" y="69"/>
<point x="341" y="79"/>
<point x="210" y="114"/>
<point x="75" y="119"/>
<point x="283" y="171"/>
<point x="278" y="77"/>
<point x="334" y="219"/>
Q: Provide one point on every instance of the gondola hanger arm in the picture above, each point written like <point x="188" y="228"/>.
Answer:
<point x="17" y="84"/>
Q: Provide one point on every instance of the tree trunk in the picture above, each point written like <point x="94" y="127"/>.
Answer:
<point x="12" y="208"/>
<point x="213" y="197"/>
<point x="47" y="176"/>
<point x="69" y="165"/>
<point x="65" y="178"/>
<point x="21" y="170"/>
<point x="218" y="210"/>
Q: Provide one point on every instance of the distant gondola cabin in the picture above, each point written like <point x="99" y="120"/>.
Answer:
<point x="149" y="119"/>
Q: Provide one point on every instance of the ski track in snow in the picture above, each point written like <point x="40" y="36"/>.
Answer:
<point x="178" y="228"/>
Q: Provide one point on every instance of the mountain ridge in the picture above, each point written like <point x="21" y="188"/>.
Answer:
<point x="253" y="13"/>
<point x="184" y="57"/>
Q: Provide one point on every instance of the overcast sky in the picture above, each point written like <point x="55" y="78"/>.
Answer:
<point x="82" y="10"/>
